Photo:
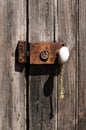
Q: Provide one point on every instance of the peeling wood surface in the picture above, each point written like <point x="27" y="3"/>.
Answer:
<point x="12" y="81"/>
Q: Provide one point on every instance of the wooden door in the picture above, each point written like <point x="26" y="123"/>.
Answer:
<point x="32" y="101"/>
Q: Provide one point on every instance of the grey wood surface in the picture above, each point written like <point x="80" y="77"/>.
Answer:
<point x="58" y="21"/>
<point x="82" y="65"/>
<point x="49" y="20"/>
<point x="12" y="81"/>
<point x="42" y="99"/>
<point x="67" y="32"/>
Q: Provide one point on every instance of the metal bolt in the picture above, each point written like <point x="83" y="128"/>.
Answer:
<point x="44" y="55"/>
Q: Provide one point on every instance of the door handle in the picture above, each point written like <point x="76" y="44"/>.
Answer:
<point x="63" y="55"/>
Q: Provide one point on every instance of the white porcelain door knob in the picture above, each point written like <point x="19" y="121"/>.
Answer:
<point x="63" y="55"/>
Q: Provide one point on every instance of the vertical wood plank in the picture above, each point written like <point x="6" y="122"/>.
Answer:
<point x="12" y="81"/>
<point x="42" y="85"/>
<point x="66" y="19"/>
<point x="82" y="65"/>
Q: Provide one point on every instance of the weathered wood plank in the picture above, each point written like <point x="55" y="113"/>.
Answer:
<point x="12" y="82"/>
<point x="82" y="65"/>
<point x="42" y="105"/>
<point x="66" y="19"/>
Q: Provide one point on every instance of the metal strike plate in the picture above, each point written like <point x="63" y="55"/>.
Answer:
<point x="22" y="49"/>
<point x="39" y="53"/>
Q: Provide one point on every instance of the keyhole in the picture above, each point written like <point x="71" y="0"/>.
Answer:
<point x="44" y="55"/>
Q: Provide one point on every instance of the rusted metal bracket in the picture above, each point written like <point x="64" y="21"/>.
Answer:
<point x="38" y="53"/>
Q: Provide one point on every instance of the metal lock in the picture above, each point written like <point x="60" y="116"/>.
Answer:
<point x="42" y="53"/>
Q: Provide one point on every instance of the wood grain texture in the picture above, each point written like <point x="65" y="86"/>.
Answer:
<point x="82" y="65"/>
<point x="42" y="82"/>
<point x="66" y="31"/>
<point x="12" y="83"/>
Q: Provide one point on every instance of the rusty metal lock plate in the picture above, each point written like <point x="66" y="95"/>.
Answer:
<point x="39" y="53"/>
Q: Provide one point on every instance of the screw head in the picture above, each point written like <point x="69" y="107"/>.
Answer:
<point x="44" y="55"/>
